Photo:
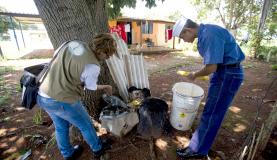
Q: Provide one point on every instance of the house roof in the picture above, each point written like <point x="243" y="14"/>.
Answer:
<point x="128" y="19"/>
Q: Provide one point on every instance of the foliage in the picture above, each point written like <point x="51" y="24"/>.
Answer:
<point x="242" y="16"/>
<point x="17" y="154"/>
<point x="274" y="67"/>
<point x="5" y="91"/>
<point x="255" y="43"/>
<point x="50" y="143"/>
<point x="175" y="16"/>
<point x="37" y="119"/>
<point x="114" y="6"/>
<point x="4" y="22"/>
<point x="204" y="8"/>
<point x="4" y="99"/>
<point x="262" y="51"/>
<point x="270" y="30"/>
<point x="234" y="14"/>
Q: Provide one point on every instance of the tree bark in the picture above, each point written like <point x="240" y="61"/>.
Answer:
<point x="270" y="123"/>
<point x="77" y="19"/>
<point x="266" y="8"/>
<point x="1" y="54"/>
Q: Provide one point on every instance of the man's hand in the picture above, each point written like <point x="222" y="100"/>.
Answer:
<point x="192" y="76"/>
<point x="208" y="69"/>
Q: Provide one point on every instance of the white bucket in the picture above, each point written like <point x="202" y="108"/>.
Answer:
<point x="186" y="100"/>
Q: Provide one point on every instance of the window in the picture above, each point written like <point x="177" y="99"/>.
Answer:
<point x="147" y="27"/>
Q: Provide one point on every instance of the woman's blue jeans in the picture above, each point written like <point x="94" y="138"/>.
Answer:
<point x="224" y="84"/>
<point x="64" y="114"/>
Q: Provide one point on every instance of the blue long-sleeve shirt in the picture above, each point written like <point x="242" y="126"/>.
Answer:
<point x="217" y="46"/>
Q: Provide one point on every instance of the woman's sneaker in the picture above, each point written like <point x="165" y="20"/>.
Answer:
<point x="105" y="146"/>
<point x="78" y="150"/>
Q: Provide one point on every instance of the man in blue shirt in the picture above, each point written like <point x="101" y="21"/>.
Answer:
<point x="222" y="57"/>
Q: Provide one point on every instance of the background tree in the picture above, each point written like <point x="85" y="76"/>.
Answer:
<point x="243" y="16"/>
<point x="5" y="25"/>
<point x="82" y="19"/>
<point x="233" y="14"/>
<point x="4" y="22"/>
<point x="262" y="30"/>
<point x="115" y="6"/>
<point x="175" y="16"/>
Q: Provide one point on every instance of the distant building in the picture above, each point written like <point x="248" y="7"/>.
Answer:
<point x="149" y="32"/>
<point x="140" y="33"/>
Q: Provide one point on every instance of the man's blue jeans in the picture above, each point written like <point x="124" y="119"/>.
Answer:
<point x="224" y="84"/>
<point x="64" y="114"/>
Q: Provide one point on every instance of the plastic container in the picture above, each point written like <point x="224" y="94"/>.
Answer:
<point x="186" y="100"/>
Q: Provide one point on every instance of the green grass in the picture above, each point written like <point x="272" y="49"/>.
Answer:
<point x="18" y="88"/>
<point x="5" y="92"/>
<point x="17" y="154"/>
<point x="4" y="70"/>
<point x="37" y="119"/>
<point x="4" y="99"/>
<point x="274" y="67"/>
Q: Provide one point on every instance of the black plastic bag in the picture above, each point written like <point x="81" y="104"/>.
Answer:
<point x="29" y="81"/>
<point x="152" y="117"/>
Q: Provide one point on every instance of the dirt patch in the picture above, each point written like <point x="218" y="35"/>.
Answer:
<point x="39" y="53"/>
<point x="19" y="132"/>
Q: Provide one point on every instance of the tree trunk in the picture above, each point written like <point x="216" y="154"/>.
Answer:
<point x="266" y="7"/>
<point x="77" y="19"/>
<point x="270" y="123"/>
<point x="1" y="54"/>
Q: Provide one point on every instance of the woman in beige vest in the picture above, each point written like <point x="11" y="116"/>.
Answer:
<point x="76" y="66"/>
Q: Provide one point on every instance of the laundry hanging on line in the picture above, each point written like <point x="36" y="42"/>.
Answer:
<point x="120" y="30"/>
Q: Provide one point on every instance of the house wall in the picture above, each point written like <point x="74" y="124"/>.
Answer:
<point x="158" y="36"/>
<point x="112" y="23"/>
<point x="152" y="36"/>
<point x="161" y="34"/>
<point x="135" y="33"/>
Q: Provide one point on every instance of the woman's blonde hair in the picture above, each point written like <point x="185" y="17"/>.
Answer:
<point x="103" y="43"/>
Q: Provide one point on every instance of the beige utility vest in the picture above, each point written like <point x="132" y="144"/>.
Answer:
<point x="63" y="79"/>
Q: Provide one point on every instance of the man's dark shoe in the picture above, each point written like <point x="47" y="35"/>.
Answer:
<point x="187" y="153"/>
<point x="105" y="146"/>
<point x="78" y="150"/>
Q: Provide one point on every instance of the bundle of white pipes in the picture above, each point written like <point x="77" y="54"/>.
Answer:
<point x="127" y="70"/>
